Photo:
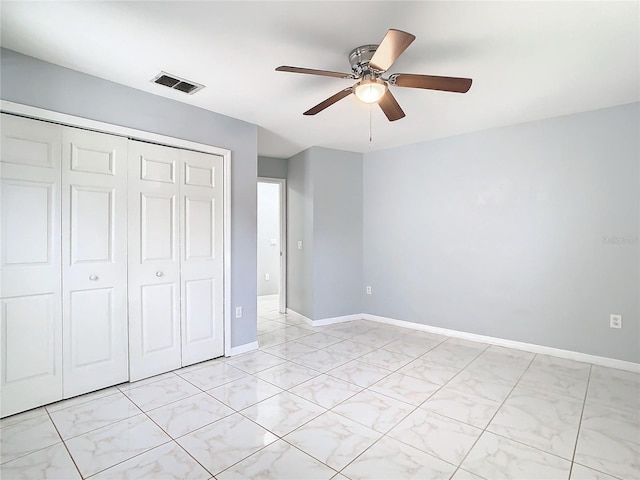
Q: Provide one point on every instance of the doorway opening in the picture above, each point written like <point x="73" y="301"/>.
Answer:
<point x="272" y="249"/>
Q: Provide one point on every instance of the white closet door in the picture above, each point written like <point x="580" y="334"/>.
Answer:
<point x="94" y="257"/>
<point x="154" y="261"/>
<point x="31" y="330"/>
<point x="201" y="219"/>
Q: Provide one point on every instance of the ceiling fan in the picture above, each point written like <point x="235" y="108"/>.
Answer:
<point x="368" y="64"/>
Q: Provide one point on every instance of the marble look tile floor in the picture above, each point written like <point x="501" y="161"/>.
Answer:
<point x="358" y="400"/>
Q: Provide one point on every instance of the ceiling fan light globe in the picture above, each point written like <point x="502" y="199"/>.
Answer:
<point x="370" y="91"/>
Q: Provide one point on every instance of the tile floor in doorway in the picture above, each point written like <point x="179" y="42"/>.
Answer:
<point x="357" y="400"/>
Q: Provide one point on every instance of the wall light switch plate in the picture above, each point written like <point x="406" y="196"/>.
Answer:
<point x="267" y="277"/>
<point x="238" y="312"/>
<point x="615" y="321"/>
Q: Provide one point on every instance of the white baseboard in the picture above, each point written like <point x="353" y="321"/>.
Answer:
<point x="247" y="347"/>
<point x="306" y="320"/>
<point x="324" y="321"/>
<point x="529" y="347"/>
<point x="330" y="321"/>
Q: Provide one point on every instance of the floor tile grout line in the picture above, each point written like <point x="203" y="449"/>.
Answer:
<point x="325" y="411"/>
<point x="584" y="402"/>
<point x="414" y="409"/>
<point x="384" y="434"/>
<point x="494" y="415"/>
<point x="120" y="385"/>
<point x="520" y="441"/>
<point x="194" y="458"/>
<point x="116" y="391"/>
<point x="63" y="443"/>
<point x="103" y="426"/>
<point x="141" y="411"/>
<point x="615" y="477"/>
<point x="127" y="459"/>
<point x="239" y="412"/>
<point x="307" y="453"/>
<point x="278" y="437"/>
<point x="435" y="392"/>
<point x="174" y="440"/>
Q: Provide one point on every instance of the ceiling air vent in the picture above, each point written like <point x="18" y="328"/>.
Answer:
<point x="177" y="83"/>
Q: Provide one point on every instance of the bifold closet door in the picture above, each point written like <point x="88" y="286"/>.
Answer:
<point x="94" y="258"/>
<point x="202" y="267"/>
<point x="30" y="289"/>
<point x="154" y="260"/>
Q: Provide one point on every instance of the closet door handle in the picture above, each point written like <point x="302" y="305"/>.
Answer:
<point x="159" y="274"/>
<point x="94" y="278"/>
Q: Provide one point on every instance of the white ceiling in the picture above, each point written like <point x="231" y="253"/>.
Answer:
<point x="528" y="60"/>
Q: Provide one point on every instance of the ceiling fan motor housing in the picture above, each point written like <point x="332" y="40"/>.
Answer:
<point x="359" y="59"/>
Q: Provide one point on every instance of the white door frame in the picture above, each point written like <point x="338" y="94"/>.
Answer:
<point x="73" y="121"/>
<point x="282" y="308"/>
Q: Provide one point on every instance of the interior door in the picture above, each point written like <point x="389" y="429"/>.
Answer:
<point x="201" y="219"/>
<point x="154" y="260"/>
<point x="31" y="323"/>
<point x="94" y="257"/>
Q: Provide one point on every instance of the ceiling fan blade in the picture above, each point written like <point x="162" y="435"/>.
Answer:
<point x="329" y="101"/>
<point x="393" y="44"/>
<point x="390" y="107"/>
<point x="311" y="71"/>
<point x="447" y="84"/>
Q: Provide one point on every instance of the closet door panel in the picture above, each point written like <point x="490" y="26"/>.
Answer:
<point x="201" y="198"/>
<point x="200" y="307"/>
<point x="31" y="322"/>
<point x="158" y="227"/>
<point x="158" y="311"/>
<point x="28" y="324"/>
<point x="94" y="178"/>
<point x="154" y="260"/>
<point x="94" y="342"/>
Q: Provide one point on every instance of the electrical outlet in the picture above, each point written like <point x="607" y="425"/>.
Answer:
<point x="368" y="289"/>
<point x="299" y="244"/>
<point x="238" y="312"/>
<point x="615" y="321"/>
<point x="267" y="277"/>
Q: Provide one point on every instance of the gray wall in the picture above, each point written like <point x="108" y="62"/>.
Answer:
<point x="300" y="227"/>
<point x="29" y="81"/>
<point x="268" y="229"/>
<point x="271" y="167"/>
<point x="337" y="225"/>
<point x="325" y="212"/>
<point x="527" y="232"/>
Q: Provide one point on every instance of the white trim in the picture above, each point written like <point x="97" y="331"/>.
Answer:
<point x="325" y="321"/>
<point x="332" y="320"/>
<point x="307" y="320"/>
<point x="63" y="118"/>
<point x="529" y="347"/>
<point x="42" y="114"/>
<point x="240" y="349"/>
<point x="282" y="308"/>
<point x="227" y="251"/>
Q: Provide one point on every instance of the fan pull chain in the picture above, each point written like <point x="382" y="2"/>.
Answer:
<point x="370" y="134"/>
